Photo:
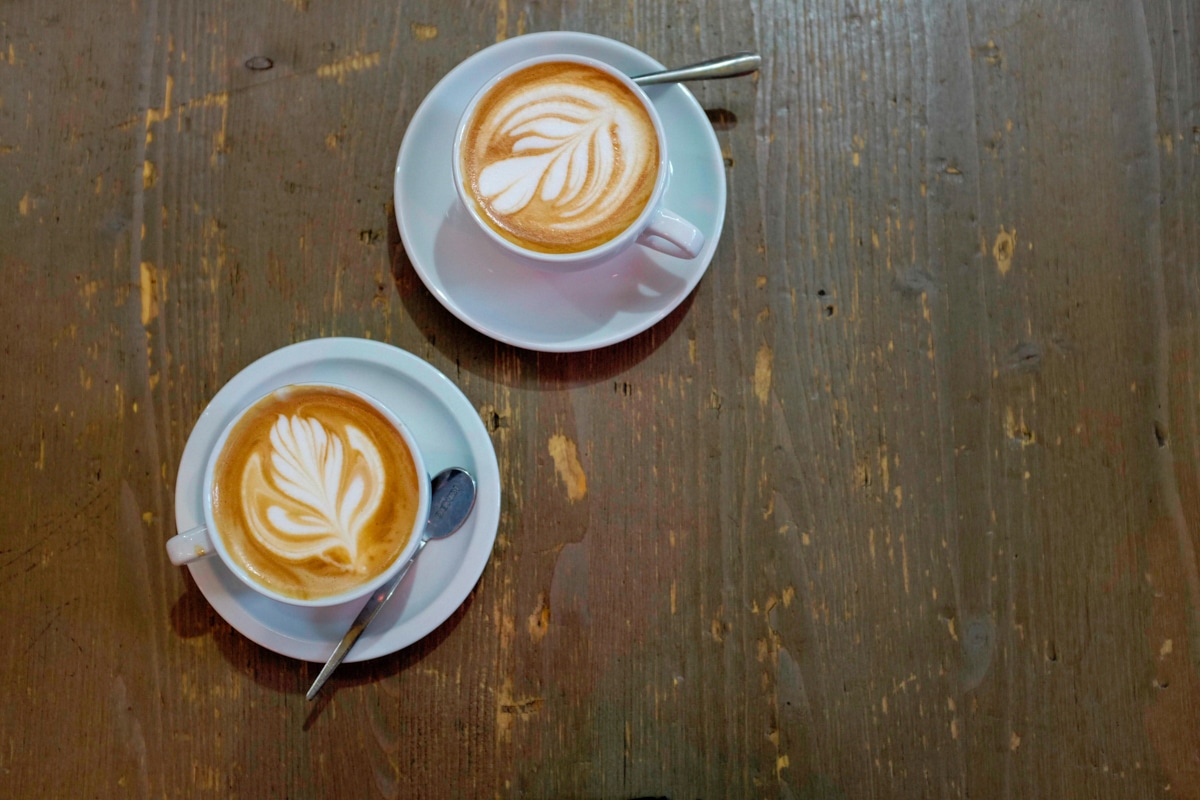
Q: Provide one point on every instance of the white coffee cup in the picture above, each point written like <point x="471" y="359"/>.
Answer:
<point x="206" y="541"/>
<point x="655" y="227"/>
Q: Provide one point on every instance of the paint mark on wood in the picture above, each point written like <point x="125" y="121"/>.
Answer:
<point x="25" y="204"/>
<point x="424" y="33"/>
<point x="862" y="475"/>
<point x="210" y="100"/>
<point x="539" y="620"/>
<point x="566" y="464"/>
<point x="495" y="419"/>
<point x="87" y="293"/>
<point x="149" y="174"/>
<point x="358" y="62"/>
<point x="511" y="709"/>
<point x="763" y="363"/>
<point x="718" y="625"/>
<point x="149" y="286"/>
<point x="1004" y="248"/>
<point x="501" y="20"/>
<point x="1014" y="741"/>
<point x="1016" y="430"/>
<point x="858" y="144"/>
<point x="1168" y="646"/>
<point x="154" y="115"/>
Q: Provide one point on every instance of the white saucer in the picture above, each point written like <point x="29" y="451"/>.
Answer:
<point x="448" y="431"/>
<point x="494" y="292"/>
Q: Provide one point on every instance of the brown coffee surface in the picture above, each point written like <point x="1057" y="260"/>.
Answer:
<point x="560" y="157"/>
<point x="315" y="492"/>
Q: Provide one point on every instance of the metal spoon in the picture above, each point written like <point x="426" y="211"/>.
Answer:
<point x="451" y="501"/>
<point x="724" y="67"/>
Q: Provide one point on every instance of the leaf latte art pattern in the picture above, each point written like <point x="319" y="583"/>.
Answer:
<point x="561" y="153"/>
<point x="567" y="150"/>
<point x="315" y="493"/>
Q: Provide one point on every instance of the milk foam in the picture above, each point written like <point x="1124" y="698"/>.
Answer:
<point x="563" y="155"/>
<point x="315" y="493"/>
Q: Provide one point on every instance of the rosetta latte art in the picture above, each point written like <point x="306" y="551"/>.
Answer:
<point x="315" y="493"/>
<point x="567" y="150"/>
<point x="562" y="156"/>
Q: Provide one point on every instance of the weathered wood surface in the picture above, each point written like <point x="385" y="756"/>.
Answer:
<point x="903" y="502"/>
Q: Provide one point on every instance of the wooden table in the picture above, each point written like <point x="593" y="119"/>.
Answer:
<point x="902" y="501"/>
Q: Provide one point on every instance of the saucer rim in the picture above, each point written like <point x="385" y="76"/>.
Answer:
<point x="441" y="604"/>
<point x="568" y="42"/>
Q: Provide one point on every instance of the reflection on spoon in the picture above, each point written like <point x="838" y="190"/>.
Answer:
<point x="729" y="66"/>
<point x="452" y="498"/>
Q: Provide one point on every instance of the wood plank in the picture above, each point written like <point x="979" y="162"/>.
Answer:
<point x="900" y="502"/>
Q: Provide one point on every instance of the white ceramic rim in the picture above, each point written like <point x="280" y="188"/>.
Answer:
<point x="410" y="546"/>
<point x="427" y="205"/>
<point x="451" y="433"/>
<point x="602" y="251"/>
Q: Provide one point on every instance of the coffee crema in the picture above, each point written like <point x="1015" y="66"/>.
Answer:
<point x="315" y="492"/>
<point x="560" y="157"/>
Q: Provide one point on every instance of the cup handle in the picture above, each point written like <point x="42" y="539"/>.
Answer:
<point x="672" y="234"/>
<point x="190" y="546"/>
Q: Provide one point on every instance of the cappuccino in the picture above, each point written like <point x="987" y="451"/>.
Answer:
<point x="315" y="492"/>
<point x="559" y="157"/>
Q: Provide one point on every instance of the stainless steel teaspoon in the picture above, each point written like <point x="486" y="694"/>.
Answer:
<point x="452" y="498"/>
<point x="724" y="67"/>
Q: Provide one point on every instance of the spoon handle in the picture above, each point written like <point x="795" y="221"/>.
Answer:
<point x="369" y="611"/>
<point x="724" y="67"/>
<point x="452" y="499"/>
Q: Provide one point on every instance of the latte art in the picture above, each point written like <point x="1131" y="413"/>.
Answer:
<point x="315" y="492"/>
<point x="308" y="500"/>
<point x="560" y="157"/>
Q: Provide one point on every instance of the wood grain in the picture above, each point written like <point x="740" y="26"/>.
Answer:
<point x="901" y="502"/>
